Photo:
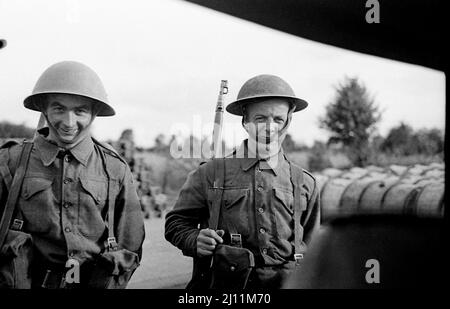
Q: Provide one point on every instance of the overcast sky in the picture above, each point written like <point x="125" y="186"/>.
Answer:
<point x="161" y="62"/>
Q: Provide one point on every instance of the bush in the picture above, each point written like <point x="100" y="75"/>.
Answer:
<point x="9" y="130"/>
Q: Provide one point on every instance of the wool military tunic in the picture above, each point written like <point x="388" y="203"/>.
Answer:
<point x="63" y="200"/>
<point x="258" y="203"/>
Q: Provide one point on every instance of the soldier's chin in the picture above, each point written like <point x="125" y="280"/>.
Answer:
<point x="267" y="140"/>
<point x="67" y="138"/>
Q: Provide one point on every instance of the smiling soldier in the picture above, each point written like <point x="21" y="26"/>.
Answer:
<point x="267" y="204"/>
<point x="77" y="199"/>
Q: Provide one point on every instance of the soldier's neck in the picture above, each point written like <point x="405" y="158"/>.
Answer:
<point x="56" y="140"/>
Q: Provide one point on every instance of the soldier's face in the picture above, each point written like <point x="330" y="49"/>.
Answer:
<point x="68" y="115"/>
<point x="266" y="118"/>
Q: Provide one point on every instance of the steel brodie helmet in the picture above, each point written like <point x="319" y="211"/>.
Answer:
<point x="265" y="86"/>
<point x="70" y="77"/>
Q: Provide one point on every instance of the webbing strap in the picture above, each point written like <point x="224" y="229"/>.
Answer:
<point x="111" y="241"/>
<point x="297" y="182"/>
<point x="14" y="191"/>
<point x="218" y="186"/>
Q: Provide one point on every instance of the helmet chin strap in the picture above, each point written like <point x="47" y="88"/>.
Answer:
<point x="81" y="135"/>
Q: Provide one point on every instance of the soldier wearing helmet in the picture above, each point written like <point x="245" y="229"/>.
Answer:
<point x="269" y="204"/>
<point x="77" y="199"/>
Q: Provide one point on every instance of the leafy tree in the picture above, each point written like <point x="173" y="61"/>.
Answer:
<point x="289" y="144"/>
<point x="319" y="159"/>
<point x="351" y="119"/>
<point x="403" y="141"/>
<point x="429" y="141"/>
<point x="399" y="140"/>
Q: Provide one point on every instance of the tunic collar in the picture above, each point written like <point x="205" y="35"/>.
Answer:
<point x="48" y="150"/>
<point x="273" y="163"/>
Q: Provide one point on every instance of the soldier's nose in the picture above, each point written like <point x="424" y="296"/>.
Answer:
<point x="69" y="120"/>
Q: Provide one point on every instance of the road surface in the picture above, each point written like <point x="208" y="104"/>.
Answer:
<point x="163" y="266"/>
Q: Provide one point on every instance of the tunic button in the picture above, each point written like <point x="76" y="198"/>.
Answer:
<point x="232" y="268"/>
<point x="262" y="230"/>
<point x="67" y="204"/>
<point x="260" y="189"/>
<point x="67" y="180"/>
<point x="264" y="251"/>
<point x="67" y="230"/>
<point x="67" y="159"/>
<point x="260" y="209"/>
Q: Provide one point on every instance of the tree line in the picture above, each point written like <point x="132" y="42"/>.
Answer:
<point x="351" y="119"/>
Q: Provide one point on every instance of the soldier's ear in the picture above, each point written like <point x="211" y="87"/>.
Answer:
<point x="244" y="123"/>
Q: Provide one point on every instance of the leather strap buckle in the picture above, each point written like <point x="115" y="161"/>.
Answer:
<point x="298" y="257"/>
<point x="112" y="244"/>
<point x="236" y="240"/>
<point x="17" y="225"/>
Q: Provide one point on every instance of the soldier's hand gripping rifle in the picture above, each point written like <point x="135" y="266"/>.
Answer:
<point x="218" y="120"/>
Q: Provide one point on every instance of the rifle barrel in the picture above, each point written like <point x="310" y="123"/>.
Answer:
<point x="218" y="120"/>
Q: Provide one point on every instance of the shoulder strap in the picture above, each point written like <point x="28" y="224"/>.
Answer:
<point x="110" y="149"/>
<point x="111" y="241"/>
<point x="13" y="194"/>
<point x="297" y="182"/>
<point x="218" y="187"/>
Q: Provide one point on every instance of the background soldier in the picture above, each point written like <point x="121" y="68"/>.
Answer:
<point x="272" y="204"/>
<point x="71" y="184"/>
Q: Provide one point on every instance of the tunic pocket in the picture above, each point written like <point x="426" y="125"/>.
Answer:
<point x="92" y="200"/>
<point x="235" y="210"/>
<point x="283" y="208"/>
<point x="32" y="186"/>
<point x="285" y="198"/>
<point x="37" y="203"/>
<point x="96" y="189"/>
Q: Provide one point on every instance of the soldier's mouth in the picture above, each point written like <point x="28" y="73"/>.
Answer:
<point x="266" y="139"/>
<point x="70" y="132"/>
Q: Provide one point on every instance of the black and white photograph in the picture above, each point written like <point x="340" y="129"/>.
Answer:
<point x="226" y="150"/>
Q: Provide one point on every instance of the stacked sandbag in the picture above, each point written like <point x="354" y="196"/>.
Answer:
<point x="331" y="196"/>
<point x="430" y="201"/>
<point x="417" y="189"/>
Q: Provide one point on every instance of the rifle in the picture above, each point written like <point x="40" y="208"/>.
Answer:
<point x="218" y="120"/>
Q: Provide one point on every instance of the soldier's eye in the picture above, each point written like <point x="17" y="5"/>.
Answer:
<point x="81" y="111"/>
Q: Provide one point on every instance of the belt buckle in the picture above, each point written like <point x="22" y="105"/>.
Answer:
<point x="297" y="258"/>
<point x="236" y="240"/>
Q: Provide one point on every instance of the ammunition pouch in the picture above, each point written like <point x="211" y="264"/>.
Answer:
<point x="113" y="269"/>
<point x="15" y="260"/>
<point x="231" y="267"/>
